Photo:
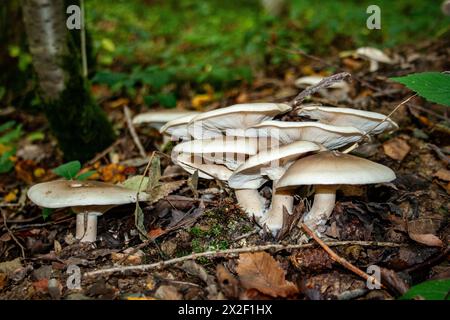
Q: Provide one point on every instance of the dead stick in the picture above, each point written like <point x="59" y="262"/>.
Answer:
<point x="133" y="133"/>
<point x="22" y="249"/>
<point x="218" y="253"/>
<point x="339" y="259"/>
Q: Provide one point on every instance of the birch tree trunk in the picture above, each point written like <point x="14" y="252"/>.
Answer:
<point x="80" y="126"/>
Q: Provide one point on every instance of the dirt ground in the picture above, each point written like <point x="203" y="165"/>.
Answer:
<point x="401" y="227"/>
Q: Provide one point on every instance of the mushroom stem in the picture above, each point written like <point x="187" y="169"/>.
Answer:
<point x="322" y="208"/>
<point x="251" y="202"/>
<point x="87" y="226"/>
<point x="274" y="218"/>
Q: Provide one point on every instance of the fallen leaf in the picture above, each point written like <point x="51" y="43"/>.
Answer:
<point x="41" y="285"/>
<point x="443" y="174"/>
<point x="262" y="272"/>
<point x="311" y="259"/>
<point x="229" y="285"/>
<point x="9" y="267"/>
<point x="131" y="259"/>
<point x="3" y="280"/>
<point x="11" y="196"/>
<point x="197" y="270"/>
<point x="422" y="231"/>
<point x="396" y="148"/>
<point x="168" y="293"/>
<point x="119" y="103"/>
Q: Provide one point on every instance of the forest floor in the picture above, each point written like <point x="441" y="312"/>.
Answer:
<point x="401" y="227"/>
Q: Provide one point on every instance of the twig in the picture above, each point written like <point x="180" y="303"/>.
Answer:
<point x="133" y="133"/>
<point x="83" y="41"/>
<point x="246" y="235"/>
<point x="339" y="259"/>
<point x="439" y="153"/>
<point x="219" y="253"/>
<point x="324" y="83"/>
<point x="22" y="249"/>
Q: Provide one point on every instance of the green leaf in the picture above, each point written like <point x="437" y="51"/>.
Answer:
<point x="7" y="125"/>
<point x="5" y="163"/>
<point x="430" y="290"/>
<point x="35" y="136"/>
<point x="433" y="86"/>
<point x="46" y="212"/>
<point x="85" y="175"/>
<point x="139" y="222"/>
<point x="154" y="174"/>
<point x="68" y="170"/>
<point x="11" y="135"/>
<point x="134" y="183"/>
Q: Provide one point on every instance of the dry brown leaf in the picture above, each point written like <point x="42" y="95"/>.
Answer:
<point x="422" y="231"/>
<point x="229" y="285"/>
<point x="163" y="190"/>
<point x="443" y="174"/>
<point x="262" y="272"/>
<point x="3" y="280"/>
<point x="396" y="148"/>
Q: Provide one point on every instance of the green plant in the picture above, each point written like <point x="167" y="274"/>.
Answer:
<point x="10" y="132"/>
<point x="71" y="170"/>
<point x="429" y="290"/>
<point x="433" y="86"/>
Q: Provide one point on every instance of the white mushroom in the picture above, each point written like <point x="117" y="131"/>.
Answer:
<point x="213" y="158"/>
<point x="271" y="164"/>
<point x="89" y="199"/>
<point x="233" y="120"/>
<point x="177" y="128"/>
<point x="375" y="56"/>
<point x="360" y="119"/>
<point x="326" y="171"/>
<point x="330" y="137"/>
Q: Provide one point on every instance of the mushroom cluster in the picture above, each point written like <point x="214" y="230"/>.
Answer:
<point x="245" y="146"/>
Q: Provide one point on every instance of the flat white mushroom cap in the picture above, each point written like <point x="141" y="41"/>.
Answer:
<point x="157" y="119"/>
<point x="234" y="119"/>
<point x="272" y="163"/>
<point x="331" y="137"/>
<point x="178" y="127"/>
<point x="230" y="151"/>
<point x="374" y="54"/>
<point x="71" y="193"/>
<point x="360" y="119"/>
<point x="192" y="163"/>
<point x="331" y="167"/>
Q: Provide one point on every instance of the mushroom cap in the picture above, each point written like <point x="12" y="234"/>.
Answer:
<point x="360" y="119"/>
<point x="373" y="54"/>
<point x="331" y="137"/>
<point x="192" y="163"/>
<point x="230" y="151"/>
<point x="157" y="119"/>
<point x="273" y="163"/>
<point x="178" y="127"/>
<point x="233" y="119"/>
<point x="331" y="167"/>
<point x="72" y="193"/>
<point x="313" y="80"/>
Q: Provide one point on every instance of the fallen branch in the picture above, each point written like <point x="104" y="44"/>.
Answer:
<point x="221" y="253"/>
<point x="333" y="255"/>
<point x="133" y="133"/>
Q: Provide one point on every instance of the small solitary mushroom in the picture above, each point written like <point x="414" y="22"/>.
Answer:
<point x="88" y="199"/>
<point x="233" y="120"/>
<point x="375" y="57"/>
<point x="360" y="119"/>
<point x="326" y="171"/>
<point x="271" y="164"/>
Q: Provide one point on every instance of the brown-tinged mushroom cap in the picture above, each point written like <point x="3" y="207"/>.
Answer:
<point x="360" y="119"/>
<point x="272" y="163"/>
<point x="233" y="119"/>
<point x="157" y="119"/>
<point x="333" y="168"/>
<point x="178" y="127"/>
<point x="71" y="193"/>
<point x="330" y="137"/>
